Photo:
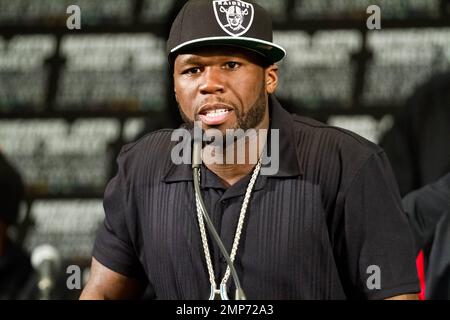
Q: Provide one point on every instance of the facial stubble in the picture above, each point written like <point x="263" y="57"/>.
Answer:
<point x="244" y="120"/>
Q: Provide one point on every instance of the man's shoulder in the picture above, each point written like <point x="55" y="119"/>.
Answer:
<point x="329" y="147"/>
<point x="156" y="139"/>
<point x="152" y="149"/>
<point x="343" y="139"/>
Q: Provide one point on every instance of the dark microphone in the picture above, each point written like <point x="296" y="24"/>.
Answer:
<point x="46" y="260"/>
<point x="196" y="164"/>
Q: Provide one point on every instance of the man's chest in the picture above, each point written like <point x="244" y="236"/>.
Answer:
<point x="284" y="226"/>
<point x="284" y="250"/>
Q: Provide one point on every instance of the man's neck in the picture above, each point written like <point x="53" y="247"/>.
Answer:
<point x="231" y="173"/>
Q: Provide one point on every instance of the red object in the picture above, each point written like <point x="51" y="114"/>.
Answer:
<point x="421" y="274"/>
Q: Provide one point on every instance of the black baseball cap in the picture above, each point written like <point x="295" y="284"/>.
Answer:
<point x="217" y="22"/>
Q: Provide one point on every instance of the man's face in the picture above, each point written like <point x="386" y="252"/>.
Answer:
<point x="223" y="87"/>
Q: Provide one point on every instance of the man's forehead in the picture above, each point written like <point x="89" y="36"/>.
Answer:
<point x="217" y="52"/>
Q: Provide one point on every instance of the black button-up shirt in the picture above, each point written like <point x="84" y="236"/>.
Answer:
<point x="328" y="225"/>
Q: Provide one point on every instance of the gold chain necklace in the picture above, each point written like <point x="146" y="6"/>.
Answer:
<point x="222" y="293"/>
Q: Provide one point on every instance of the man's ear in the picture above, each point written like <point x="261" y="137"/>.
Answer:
<point x="271" y="74"/>
<point x="175" y="92"/>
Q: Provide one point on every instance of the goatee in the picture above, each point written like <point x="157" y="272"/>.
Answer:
<point x="244" y="120"/>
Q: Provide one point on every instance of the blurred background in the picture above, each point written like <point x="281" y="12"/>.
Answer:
<point x="69" y="99"/>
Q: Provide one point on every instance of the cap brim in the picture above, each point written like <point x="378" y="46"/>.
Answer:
<point x="270" y="51"/>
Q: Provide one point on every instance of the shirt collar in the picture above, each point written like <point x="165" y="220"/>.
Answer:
<point x="289" y="165"/>
<point x="282" y="120"/>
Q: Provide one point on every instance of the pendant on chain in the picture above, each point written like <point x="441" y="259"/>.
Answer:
<point x="218" y="294"/>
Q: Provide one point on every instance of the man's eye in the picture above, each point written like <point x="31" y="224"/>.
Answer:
<point x="192" y="71"/>
<point x="232" y="65"/>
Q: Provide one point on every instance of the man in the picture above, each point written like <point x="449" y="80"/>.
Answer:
<point x="16" y="273"/>
<point x="327" y="224"/>
<point x="418" y="145"/>
<point x="428" y="210"/>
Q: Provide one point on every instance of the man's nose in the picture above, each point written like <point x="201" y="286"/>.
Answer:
<point x="212" y="81"/>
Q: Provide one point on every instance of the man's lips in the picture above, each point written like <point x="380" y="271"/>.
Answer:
<point x="214" y="114"/>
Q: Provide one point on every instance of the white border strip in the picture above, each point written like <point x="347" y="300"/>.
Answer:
<point x="228" y="38"/>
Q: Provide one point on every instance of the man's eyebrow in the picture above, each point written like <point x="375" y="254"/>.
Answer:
<point x="190" y="60"/>
<point x="198" y="60"/>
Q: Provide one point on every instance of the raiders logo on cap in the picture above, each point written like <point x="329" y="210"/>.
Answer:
<point x="234" y="17"/>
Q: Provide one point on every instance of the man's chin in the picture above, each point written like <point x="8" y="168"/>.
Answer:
<point x="214" y="131"/>
<point x="223" y="127"/>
